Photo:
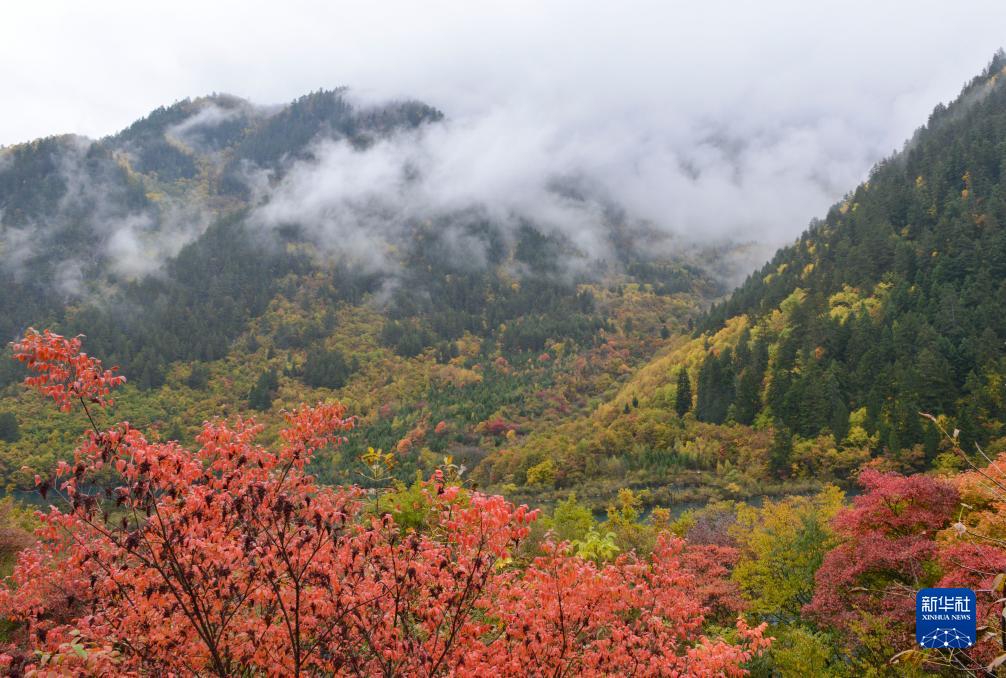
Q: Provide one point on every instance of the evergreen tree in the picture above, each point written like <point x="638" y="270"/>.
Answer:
<point x="9" y="430"/>
<point x="199" y="377"/>
<point x="715" y="388"/>
<point x="683" y="398"/>
<point x="326" y="368"/>
<point x="261" y="395"/>
<point x="751" y="373"/>
<point x="781" y="451"/>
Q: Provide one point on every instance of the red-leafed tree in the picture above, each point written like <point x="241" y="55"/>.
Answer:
<point x="232" y="560"/>
<point x="866" y="585"/>
<point x="622" y="619"/>
<point x="973" y="551"/>
<point x="711" y="566"/>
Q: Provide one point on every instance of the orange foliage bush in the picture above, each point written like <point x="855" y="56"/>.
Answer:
<point x="232" y="560"/>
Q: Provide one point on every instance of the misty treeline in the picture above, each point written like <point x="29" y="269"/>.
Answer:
<point x="151" y="243"/>
<point x="130" y="238"/>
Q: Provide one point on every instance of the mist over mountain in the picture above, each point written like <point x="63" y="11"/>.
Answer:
<point x="131" y="201"/>
<point x="891" y="301"/>
<point x="353" y="179"/>
<point x="570" y="414"/>
<point x="212" y="203"/>
<point x="349" y="178"/>
<point x="720" y="123"/>
<point x="119" y="230"/>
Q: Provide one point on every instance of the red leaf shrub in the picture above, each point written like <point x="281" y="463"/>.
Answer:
<point x="888" y="552"/>
<point x="232" y="560"/>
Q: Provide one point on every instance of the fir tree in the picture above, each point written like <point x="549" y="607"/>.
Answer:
<point x="683" y="398"/>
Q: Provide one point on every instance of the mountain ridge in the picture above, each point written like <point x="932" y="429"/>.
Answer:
<point x="174" y="274"/>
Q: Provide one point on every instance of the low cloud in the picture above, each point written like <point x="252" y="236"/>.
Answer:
<point x="193" y="133"/>
<point x="139" y="244"/>
<point x="96" y="227"/>
<point x="686" y="187"/>
<point x="701" y="124"/>
<point x="714" y="120"/>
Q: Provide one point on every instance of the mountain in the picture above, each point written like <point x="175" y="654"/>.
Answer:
<point x="888" y="307"/>
<point x="140" y="220"/>
<point x="796" y="454"/>
<point x="224" y="256"/>
<point x="891" y="305"/>
<point x="194" y="250"/>
<point x="824" y="359"/>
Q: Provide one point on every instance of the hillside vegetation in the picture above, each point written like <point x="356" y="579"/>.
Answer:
<point x="686" y="472"/>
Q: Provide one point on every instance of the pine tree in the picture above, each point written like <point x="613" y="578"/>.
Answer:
<point x="683" y="398"/>
<point x="9" y="431"/>
<point x="781" y="451"/>
<point x="260" y="397"/>
<point x="748" y="399"/>
<point x="325" y="368"/>
<point x="199" y="377"/>
<point x="715" y="388"/>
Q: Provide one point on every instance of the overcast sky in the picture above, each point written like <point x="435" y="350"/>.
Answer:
<point x="762" y="113"/>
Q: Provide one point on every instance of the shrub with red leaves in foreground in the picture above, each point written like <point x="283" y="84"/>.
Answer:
<point x="231" y="560"/>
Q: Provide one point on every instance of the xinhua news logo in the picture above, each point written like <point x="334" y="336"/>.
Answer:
<point x="946" y="618"/>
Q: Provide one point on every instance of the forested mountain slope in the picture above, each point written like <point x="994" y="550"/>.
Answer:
<point x="891" y="305"/>
<point x="92" y="231"/>
<point x="160" y="244"/>
<point x="766" y="456"/>
<point x="543" y="367"/>
<point x="823" y="360"/>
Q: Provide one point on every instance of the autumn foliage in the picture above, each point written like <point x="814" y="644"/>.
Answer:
<point x="905" y="533"/>
<point x="63" y="372"/>
<point x="232" y="560"/>
<point x="888" y="543"/>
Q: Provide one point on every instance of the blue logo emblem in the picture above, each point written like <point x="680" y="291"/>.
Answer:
<point x="946" y="618"/>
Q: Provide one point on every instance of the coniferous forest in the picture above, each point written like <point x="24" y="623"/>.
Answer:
<point x="249" y="428"/>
